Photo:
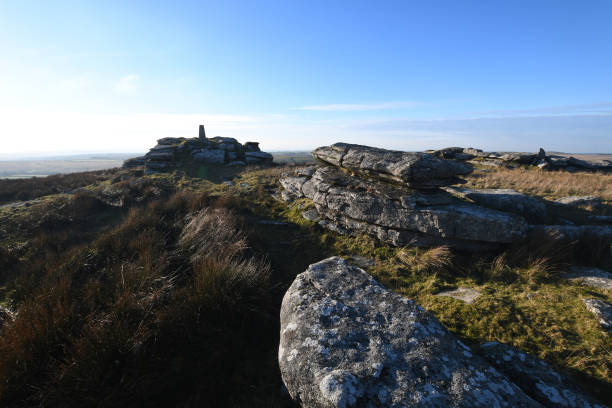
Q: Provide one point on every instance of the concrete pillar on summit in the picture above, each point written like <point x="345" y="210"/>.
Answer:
<point x="202" y="134"/>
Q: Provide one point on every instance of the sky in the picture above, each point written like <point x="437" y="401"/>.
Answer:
<point x="114" y="76"/>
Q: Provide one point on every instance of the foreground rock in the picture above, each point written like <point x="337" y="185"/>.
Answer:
<point x="535" y="377"/>
<point x="172" y="152"/>
<point x="580" y="201"/>
<point x="601" y="309"/>
<point x="412" y="169"/>
<point x="348" y="342"/>
<point x="400" y="215"/>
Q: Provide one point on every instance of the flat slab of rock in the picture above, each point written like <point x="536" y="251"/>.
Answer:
<point x="503" y="200"/>
<point x="534" y="376"/>
<point x="346" y="341"/>
<point x="580" y="201"/>
<point x="467" y="295"/>
<point x="413" y="169"/>
<point x="595" y="277"/>
<point x="601" y="309"/>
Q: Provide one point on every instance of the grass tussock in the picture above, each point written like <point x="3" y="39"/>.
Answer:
<point x="427" y="261"/>
<point x="552" y="184"/>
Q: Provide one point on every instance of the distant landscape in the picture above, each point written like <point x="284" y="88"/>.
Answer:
<point x="41" y="167"/>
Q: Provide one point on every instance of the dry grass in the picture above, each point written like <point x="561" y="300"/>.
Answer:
<point x="428" y="261"/>
<point x="544" y="183"/>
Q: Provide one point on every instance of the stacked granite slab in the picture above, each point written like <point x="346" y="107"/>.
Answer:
<point x="541" y="159"/>
<point x="171" y="152"/>
<point x="398" y="197"/>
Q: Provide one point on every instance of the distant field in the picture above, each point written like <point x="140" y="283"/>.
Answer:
<point x="27" y="168"/>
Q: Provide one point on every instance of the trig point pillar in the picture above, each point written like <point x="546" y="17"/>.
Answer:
<point x="202" y="134"/>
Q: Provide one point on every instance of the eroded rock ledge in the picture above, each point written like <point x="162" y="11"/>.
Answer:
<point x="398" y="214"/>
<point x="412" y="169"/>
<point x="346" y="341"/>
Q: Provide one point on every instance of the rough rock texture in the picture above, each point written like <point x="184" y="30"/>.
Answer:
<point x="590" y="276"/>
<point x="535" y="377"/>
<point x="601" y="309"/>
<point x="503" y="200"/>
<point x="397" y="214"/>
<point x="467" y="295"/>
<point x="413" y="169"/>
<point x="348" y="342"/>
<point x="172" y="152"/>
<point x="578" y="201"/>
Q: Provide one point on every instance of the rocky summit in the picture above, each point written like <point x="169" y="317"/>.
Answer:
<point x="346" y="341"/>
<point x="173" y="152"/>
<point x="413" y="169"/>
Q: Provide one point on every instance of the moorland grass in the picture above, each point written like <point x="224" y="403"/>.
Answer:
<point x="175" y="302"/>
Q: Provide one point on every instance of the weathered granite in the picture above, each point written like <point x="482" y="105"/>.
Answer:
<point x="346" y="341"/>
<point x="173" y="152"/>
<point x="536" y="378"/>
<point x="579" y="201"/>
<point x="413" y="169"/>
<point x="602" y="310"/>
<point x="502" y="199"/>
<point x="400" y="215"/>
<point x="595" y="277"/>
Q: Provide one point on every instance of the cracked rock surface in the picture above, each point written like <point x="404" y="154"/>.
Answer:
<point x="346" y="341"/>
<point x="413" y="169"/>
<point x="398" y="214"/>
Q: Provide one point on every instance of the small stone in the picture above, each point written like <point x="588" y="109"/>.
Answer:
<point x="467" y="295"/>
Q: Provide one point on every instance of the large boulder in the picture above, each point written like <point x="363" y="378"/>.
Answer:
<point x="400" y="215"/>
<point x="346" y="341"/>
<point x="413" y="169"/>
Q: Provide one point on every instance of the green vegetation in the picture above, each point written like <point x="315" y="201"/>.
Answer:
<point x="164" y="290"/>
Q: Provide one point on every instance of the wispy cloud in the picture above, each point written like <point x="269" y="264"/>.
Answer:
<point x="354" y="107"/>
<point x="562" y="110"/>
<point x="126" y="84"/>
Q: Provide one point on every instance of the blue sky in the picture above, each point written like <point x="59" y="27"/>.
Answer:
<point x="116" y="75"/>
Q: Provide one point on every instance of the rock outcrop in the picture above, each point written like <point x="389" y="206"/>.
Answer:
<point x="172" y="152"/>
<point x="392" y="195"/>
<point x="346" y="341"/>
<point x="540" y="159"/>
<point x="412" y="169"/>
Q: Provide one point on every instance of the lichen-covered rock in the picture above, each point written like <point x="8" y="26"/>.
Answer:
<point x="595" y="277"/>
<point x="400" y="215"/>
<point x="346" y="341"/>
<point x="502" y="199"/>
<point x="413" y="169"/>
<point x="536" y="378"/>
<point x="601" y="309"/>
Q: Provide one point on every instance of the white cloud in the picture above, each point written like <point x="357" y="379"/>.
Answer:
<point x="126" y="84"/>
<point x="349" y="107"/>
